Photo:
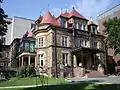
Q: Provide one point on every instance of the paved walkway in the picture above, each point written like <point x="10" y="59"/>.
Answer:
<point x="109" y="80"/>
<point x="28" y="86"/>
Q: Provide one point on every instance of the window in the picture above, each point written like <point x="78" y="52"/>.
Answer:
<point x="1" y="64"/>
<point x="63" y="22"/>
<point x="21" y="47"/>
<point x="95" y="44"/>
<point x="70" y="25"/>
<point x="81" y="43"/>
<point x="80" y="26"/>
<point x="32" y="47"/>
<point x="26" y="46"/>
<point x="94" y="29"/>
<point x="65" y="58"/>
<point x="85" y="43"/>
<point x="40" y="42"/>
<point x="41" y="59"/>
<point x="64" y="41"/>
<point x="83" y="27"/>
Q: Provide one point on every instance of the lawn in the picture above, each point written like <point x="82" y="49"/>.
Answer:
<point x="31" y="81"/>
<point x="82" y="86"/>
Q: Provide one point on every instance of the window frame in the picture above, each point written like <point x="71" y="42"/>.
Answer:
<point x="40" y="42"/>
<point x="41" y="59"/>
<point x="64" y="41"/>
<point x="65" y="58"/>
<point x="81" y="43"/>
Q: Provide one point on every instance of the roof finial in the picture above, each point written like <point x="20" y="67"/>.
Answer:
<point x="40" y="13"/>
<point x="91" y="19"/>
<point x="61" y="10"/>
<point x="48" y="7"/>
<point x="73" y="8"/>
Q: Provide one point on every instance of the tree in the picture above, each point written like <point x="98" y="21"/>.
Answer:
<point x="112" y="31"/>
<point x="3" y="22"/>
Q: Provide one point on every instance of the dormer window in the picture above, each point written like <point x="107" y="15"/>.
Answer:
<point x="94" y="30"/>
<point x="84" y="27"/>
<point x="70" y="25"/>
<point x="80" y="26"/>
<point x="63" y="23"/>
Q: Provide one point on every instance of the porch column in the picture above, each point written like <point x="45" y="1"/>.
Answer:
<point x="35" y="61"/>
<point x="28" y="60"/>
<point x="19" y="62"/>
<point x="22" y="61"/>
<point x="74" y="61"/>
<point x="82" y="58"/>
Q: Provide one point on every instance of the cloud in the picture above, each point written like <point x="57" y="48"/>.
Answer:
<point x="91" y="8"/>
<point x="88" y="8"/>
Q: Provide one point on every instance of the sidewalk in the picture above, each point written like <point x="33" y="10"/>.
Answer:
<point x="20" y="86"/>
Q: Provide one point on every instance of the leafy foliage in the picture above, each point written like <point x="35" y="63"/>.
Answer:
<point x="31" y="70"/>
<point x="3" y="21"/>
<point x="27" y="71"/>
<point x="112" y="31"/>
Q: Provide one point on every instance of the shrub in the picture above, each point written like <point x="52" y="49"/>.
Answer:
<point x="26" y="71"/>
<point x="22" y="72"/>
<point x="31" y="70"/>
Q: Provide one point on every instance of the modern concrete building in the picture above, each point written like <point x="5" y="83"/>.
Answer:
<point x="17" y="28"/>
<point x="69" y="45"/>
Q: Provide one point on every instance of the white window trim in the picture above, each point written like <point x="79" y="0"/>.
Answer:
<point x="66" y="60"/>
<point x="64" y="44"/>
<point x="81" y="44"/>
<point x="68" y="57"/>
<point x="39" y="42"/>
<point x="39" y="58"/>
<point x="44" y="55"/>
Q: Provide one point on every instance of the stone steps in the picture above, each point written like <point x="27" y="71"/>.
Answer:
<point x="94" y="74"/>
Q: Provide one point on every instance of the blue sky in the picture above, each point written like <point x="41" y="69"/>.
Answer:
<point x="33" y="8"/>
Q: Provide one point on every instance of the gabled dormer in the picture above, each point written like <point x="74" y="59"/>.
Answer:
<point x="63" y="19"/>
<point x="79" y="21"/>
<point x="92" y="27"/>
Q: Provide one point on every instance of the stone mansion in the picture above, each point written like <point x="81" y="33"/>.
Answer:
<point x="68" y="43"/>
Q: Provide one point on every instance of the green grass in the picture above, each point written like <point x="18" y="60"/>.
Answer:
<point x="30" y="81"/>
<point x="82" y="86"/>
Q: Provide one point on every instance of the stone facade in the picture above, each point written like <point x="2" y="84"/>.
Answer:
<point x="61" y="49"/>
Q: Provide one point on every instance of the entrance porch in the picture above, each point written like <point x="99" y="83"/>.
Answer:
<point x="26" y="59"/>
<point x="85" y="61"/>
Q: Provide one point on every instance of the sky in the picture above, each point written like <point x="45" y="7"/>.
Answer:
<point x="32" y="9"/>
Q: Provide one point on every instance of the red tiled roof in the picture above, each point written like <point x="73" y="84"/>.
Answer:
<point x="91" y="23"/>
<point x="57" y="22"/>
<point x="40" y="18"/>
<point x="72" y="13"/>
<point x="65" y="14"/>
<point x="48" y="18"/>
<point x="30" y="34"/>
<point x="76" y="14"/>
